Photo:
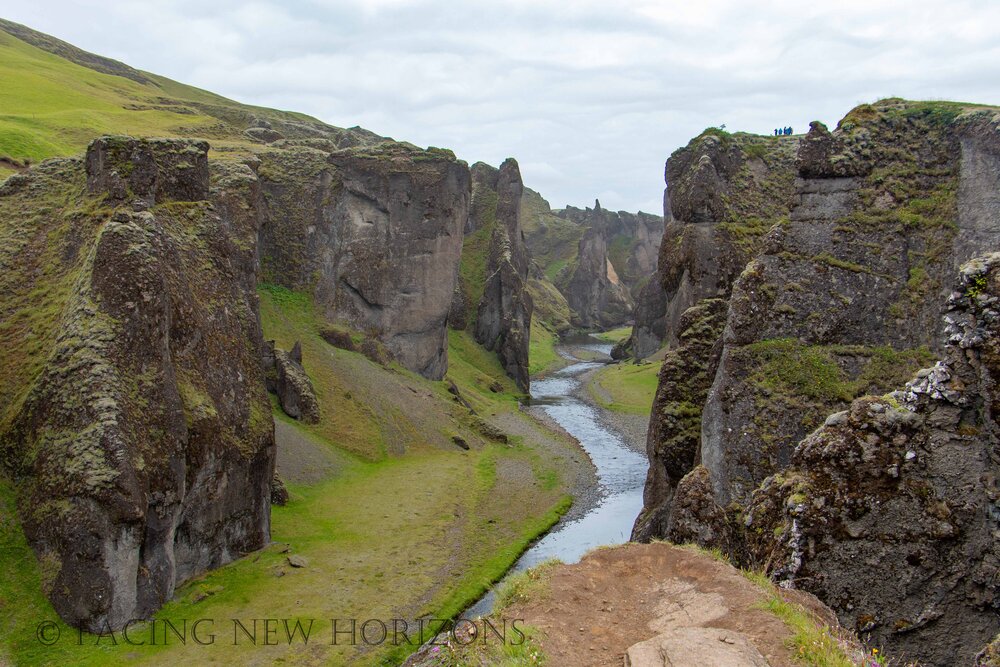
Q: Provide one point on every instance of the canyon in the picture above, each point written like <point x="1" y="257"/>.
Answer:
<point x="250" y="356"/>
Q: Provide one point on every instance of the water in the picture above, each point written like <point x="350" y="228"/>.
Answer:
<point x="621" y="473"/>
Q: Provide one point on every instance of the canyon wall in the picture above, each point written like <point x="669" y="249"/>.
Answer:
<point x="840" y="299"/>
<point x="724" y="191"/>
<point x="375" y="233"/>
<point x="138" y="425"/>
<point x="599" y="260"/>
<point x="503" y="318"/>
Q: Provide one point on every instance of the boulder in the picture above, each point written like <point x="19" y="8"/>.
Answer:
<point x="293" y="387"/>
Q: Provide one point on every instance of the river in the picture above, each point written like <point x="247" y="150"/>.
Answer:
<point x="621" y="472"/>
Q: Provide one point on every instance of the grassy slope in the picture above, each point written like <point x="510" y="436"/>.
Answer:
<point x="385" y="537"/>
<point x="50" y="107"/>
<point x="614" y="335"/>
<point x="626" y="387"/>
<point x="542" y="355"/>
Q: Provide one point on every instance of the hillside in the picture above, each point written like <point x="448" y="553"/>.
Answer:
<point x="56" y="98"/>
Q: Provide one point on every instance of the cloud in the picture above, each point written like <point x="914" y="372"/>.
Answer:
<point x="590" y="96"/>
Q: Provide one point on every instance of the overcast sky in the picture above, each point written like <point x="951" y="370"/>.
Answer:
<point x="590" y="96"/>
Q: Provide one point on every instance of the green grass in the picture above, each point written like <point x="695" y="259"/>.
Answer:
<point x="524" y="586"/>
<point x="614" y="335"/>
<point x="542" y="355"/>
<point x="550" y="308"/>
<point x="627" y="388"/>
<point x="51" y="107"/>
<point x="788" y="367"/>
<point x="554" y="241"/>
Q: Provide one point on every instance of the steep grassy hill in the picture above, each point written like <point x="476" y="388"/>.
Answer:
<point x="55" y="98"/>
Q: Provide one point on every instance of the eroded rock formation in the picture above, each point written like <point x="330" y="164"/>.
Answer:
<point x="842" y="299"/>
<point x="724" y="192"/>
<point x="287" y="379"/>
<point x="890" y="510"/>
<point x="375" y="232"/>
<point x="845" y="298"/>
<point x="674" y="441"/>
<point x="503" y="317"/>
<point x="599" y="260"/>
<point x="594" y="292"/>
<point x="142" y="435"/>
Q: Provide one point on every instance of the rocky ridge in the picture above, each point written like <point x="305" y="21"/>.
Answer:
<point x="142" y="460"/>
<point x="724" y="191"/>
<point x="841" y="299"/>
<point x="503" y="318"/>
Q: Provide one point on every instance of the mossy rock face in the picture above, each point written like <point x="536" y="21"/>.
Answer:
<point x="148" y="389"/>
<point x="905" y="484"/>
<point x="725" y="192"/>
<point x="844" y="296"/>
<point x="675" y="422"/>
<point x="375" y="234"/>
<point x="150" y="170"/>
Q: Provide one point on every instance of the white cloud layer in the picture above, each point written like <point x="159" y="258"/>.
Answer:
<point x="590" y="96"/>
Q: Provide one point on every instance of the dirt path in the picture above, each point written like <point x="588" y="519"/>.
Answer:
<point x="680" y="602"/>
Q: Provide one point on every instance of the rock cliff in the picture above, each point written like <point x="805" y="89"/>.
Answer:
<point x="674" y="439"/>
<point x="615" y="258"/>
<point x="599" y="260"/>
<point x="839" y="299"/>
<point x="503" y="317"/>
<point x="844" y="299"/>
<point x="375" y="233"/>
<point x="135" y="420"/>
<point x="889" y="510"/>
<point x="593" y="290"/>
<point x="724" y="192"/>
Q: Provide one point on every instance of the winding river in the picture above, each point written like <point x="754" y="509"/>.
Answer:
<point x="621" y="472"/>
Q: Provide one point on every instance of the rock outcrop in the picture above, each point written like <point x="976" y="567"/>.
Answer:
<point x="890" y="510"/>
<point x="845" y="298"/>
<point x="657" y="605"/>
<point x="375" y="233"/>
<point x="503" y="317"/>
<point x="841" y="299"/>
<point x="649" y="329"/>
<point x="633" y="240"/>
<point x="724" y="192"/>
<point x="287" y="379"/>
<point x="597" y="297"/>
<point x="674" y="440"/>
<point x="136" y="420"/>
